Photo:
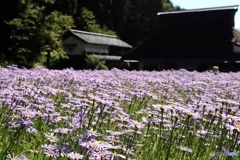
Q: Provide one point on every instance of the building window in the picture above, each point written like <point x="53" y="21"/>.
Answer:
<point x="116" y="51"/>
<point x="70" y="47"/>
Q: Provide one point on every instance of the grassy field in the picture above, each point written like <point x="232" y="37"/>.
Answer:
<point x="118" y="114"/>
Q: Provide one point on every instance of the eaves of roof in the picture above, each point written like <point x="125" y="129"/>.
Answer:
<point x="100" y="39"/>
<point x="108" y="57"/>
<point x="197" y="60"/>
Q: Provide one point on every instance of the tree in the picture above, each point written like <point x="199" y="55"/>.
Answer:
<point x="132" y="20"/>
<point x="120" y="9"/>
<point x="94" y="63"/>
<point x="9" y="9"/>
<point x="54" y="26"/>
<point x="86" y="21"/>
<point x="66" y="7"/>
<point x="29" y="28"/>
<point x="141" y="19"/>
<point x="101" y="9"/>
<point x="35" y="32"/>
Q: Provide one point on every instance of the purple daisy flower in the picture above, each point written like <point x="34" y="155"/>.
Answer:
<point x="25" y="122"/>
<point x="63" y="130"/>
<point x="51" y="137"/>
<point x="86" y="143"/>
<point x="63" y="150"/>
<point x="90" y="134"/>
<point x="79" y="121"/>
<point x="13" y="124"/>
<point x="51" y="151"/>
<point x="103" y="154"/>
<point x="11" y="157"/>
<point x="75" y="156"/>
<point x="22" y="157"/>
<point x="136" y="125"/>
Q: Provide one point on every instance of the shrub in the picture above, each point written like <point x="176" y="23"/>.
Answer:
<point x="94" y="63"/>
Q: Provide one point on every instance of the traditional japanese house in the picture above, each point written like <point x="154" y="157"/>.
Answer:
<point x="192" y="39"/>
<point x="78" y="43"/>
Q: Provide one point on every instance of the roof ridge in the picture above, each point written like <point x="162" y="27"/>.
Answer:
<point x="200" y="9"/>
<point x="93" y="33"/>
<point x="97" y="38"/>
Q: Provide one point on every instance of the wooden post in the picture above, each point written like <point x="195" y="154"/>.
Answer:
<point x="141" y="66"/>
<point x="48" y="58"/>
<point x="48" y="49"/>
<point x="158" y="66"/>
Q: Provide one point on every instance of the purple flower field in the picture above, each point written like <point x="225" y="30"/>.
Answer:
<point x="118" y="114"/>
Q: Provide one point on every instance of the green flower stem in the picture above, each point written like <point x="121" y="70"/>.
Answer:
<point x="169" y="145"/>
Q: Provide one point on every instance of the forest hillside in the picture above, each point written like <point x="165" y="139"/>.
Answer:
<point x="29" y="29"/>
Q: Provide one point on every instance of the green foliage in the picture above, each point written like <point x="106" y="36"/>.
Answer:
<point x="54" y="26"/>
<point x="68" y="7"/>
<point x="54" y="59"/>
<point x="94" y="63"/>
<point x="34" y="32"/>
<point x="25" y="33"/>
<point x="3" y="61"/>
<point x="88" y="22"/>
<point x="167" y="5"/>
<point x="132" y="20"/>
<point x="28" y="27"/>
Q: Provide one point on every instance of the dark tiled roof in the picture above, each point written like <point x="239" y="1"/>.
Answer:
<point x="101" y="39"/>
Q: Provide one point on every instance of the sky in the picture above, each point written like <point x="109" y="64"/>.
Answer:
<point x="196" y="4"/>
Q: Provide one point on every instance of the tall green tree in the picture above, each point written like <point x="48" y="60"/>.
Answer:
<point x="101" y="9"/>
<point x="120" y="10"/>
<point x="34" y="32"/>
<point x="86" y="20"/>
<point x="142" y="19"/>
<point x="66" y="7"/>
<point x="9" y="9"/>
<point x="132" y="20"/>
<point x="31" y="27"/>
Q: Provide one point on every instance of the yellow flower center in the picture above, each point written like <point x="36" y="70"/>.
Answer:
<point x="51" y="136"/>
<point x="230" y="116"/>
<point x="51" y="152"/>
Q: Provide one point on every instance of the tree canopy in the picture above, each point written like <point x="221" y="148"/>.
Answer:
<point x="31" y="30"/>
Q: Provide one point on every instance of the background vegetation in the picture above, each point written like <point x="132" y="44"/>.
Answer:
<point x="94" y="63"/>
<point x="31" y="30"/>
